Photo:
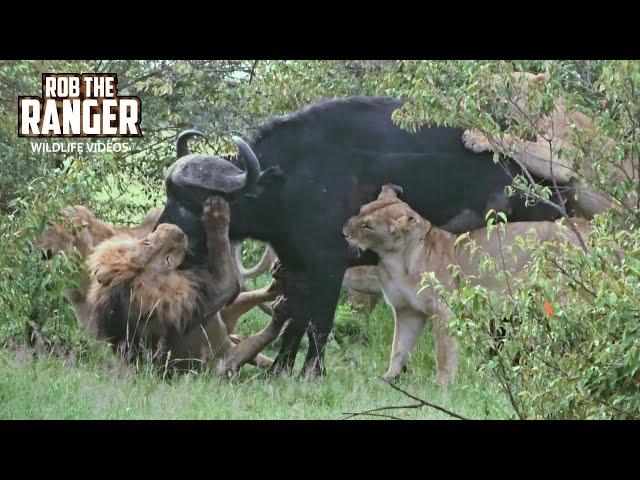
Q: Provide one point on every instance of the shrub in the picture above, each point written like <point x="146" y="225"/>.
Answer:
<point x="569" y="344"/>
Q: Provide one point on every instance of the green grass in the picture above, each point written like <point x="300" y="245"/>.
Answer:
<point x="100" y="387"/>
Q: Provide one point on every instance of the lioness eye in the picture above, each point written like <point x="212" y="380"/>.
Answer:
<point x="367" y="226"/>
<point x="169" y="261"/>
<point x="147" y="242"/>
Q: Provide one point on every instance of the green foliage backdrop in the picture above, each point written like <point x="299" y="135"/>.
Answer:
<point x="586" y="360"/>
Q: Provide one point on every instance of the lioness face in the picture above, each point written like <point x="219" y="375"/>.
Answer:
<point x="382" y="225"/>
<point x="67" y="238"/>
<point x="164" y="249"/>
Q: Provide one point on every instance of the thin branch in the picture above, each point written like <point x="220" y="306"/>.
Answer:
<point x="370" y="414"/>
<point x="570" y="277"/>
<point x="504" y="382"/>
<point x="421" y="403"/>
<point x="253" y="70"/>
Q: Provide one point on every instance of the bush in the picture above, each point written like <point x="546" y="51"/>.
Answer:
<point x="569" y="346"/>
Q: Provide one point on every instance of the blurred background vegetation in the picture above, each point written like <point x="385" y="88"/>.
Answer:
<point x="595" y="375"/>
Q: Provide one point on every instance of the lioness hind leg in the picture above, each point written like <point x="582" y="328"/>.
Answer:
<point x="249" y="348"/>
<point x="259" y="360"/>
<point x="245" y="301"/>
<point x="408" y="329"/>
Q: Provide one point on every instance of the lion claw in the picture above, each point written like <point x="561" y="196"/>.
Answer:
<point x="216" y="208"/>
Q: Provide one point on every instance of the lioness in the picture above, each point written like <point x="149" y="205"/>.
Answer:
<point x="138" y="294"/>
<point x="408" y="246"/>
<point x="555" y="133"/>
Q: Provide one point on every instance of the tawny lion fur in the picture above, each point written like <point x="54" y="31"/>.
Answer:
<point x="541" y="157"/>
<point x="80" y="231"/>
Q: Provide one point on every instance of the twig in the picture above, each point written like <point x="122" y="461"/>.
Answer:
<point x="570" y="277"/>
<point x="421" y="403"/>
<point x="253" y="70"/>
<point x="370" y="414"/>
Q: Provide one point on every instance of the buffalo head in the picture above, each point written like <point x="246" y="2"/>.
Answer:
<point x="194" y="177"/>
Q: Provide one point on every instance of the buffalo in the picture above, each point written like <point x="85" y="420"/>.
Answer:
<point x="306" y="173"/>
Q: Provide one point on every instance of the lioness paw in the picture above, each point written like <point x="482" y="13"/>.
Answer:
<point x="277" y="270"/>
<point x="281" y="312"/>
<point x="443" y="379"/>
<point x="475" y="141"/>
<point x="390" y="376"/>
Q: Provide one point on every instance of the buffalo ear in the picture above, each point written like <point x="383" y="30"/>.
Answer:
<point x="271" y="175"/>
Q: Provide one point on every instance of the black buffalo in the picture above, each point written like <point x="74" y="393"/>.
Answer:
<point x="305" y="174"/>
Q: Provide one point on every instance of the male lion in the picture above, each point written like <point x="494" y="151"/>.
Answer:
<point x="408" y="246"/>
<point x="82" y="232"/>
<point x="139" y="295"/>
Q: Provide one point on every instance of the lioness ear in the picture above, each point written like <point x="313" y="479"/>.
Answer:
<point x="541" y="77"/>
<point x="388" y="191"/>
<point x="396" y="188"/>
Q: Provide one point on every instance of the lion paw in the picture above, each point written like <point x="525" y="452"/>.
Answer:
<point x="277" y="270"/>
<point x="475" y="141"/>
<point x="390" y="376"/>
<point x="215" y="210"/>
<point x="281" y="311"/>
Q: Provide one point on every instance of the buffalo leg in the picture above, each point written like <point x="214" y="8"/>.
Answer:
<point x="322" y="309"/>
<point x="291" y="337"/>
<point x="296" y="288"/>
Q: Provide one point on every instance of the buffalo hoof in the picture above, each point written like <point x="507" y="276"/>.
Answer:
<point x="282" y="366"/>
<point x="313" y="370"/>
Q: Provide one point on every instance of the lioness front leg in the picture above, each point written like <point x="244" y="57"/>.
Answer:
<point x="221" y="266"/>
<point x="446" y="354"/>
<point x="408" y="330"/>
<point x="253" y="345"/>
<point x="446" y="348"/>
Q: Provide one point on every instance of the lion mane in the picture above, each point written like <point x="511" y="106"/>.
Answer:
<point x="131" y="302"/>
